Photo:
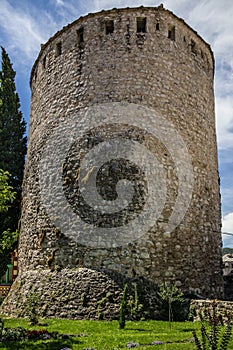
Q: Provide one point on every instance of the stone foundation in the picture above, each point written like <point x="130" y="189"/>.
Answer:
<point x="74" y="293"/>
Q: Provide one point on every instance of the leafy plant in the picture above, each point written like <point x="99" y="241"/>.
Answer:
<point x="7" y="194"/>
<point x="214" y="335"/>
<point x="7" y="238"/>
<point x="170" y="294"/>
<point x="17" y="334"/>
<point x="101" y="303"/>
<point x="135" y="308"/>
<point x="31" y="310"/>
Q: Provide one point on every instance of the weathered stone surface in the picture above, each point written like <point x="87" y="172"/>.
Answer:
<point x="75" y="293"/>
<point x="169" y="69"/>
<point x="222" y="307"/>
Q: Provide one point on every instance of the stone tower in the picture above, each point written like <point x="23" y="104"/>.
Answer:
<point x="121" y="182"/>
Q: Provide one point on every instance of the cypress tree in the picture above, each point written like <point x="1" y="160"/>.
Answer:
<point x="12" y="140"/>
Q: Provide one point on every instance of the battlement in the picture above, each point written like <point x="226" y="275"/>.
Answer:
<point x="128" y="28"/>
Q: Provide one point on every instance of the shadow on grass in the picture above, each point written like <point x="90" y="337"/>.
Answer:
<point x="138" y="329"/>
<point x="39" y="345"/>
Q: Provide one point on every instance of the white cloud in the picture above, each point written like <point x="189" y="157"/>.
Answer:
<point x="59" y="2"/>
<point x="25" y="29"/>
<point x="227" y="226"/>
<point x="227" y="223"/>
<point x="224" y="111"/>
<point x="105" y="4"/>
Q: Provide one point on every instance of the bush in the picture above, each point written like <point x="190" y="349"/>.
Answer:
<point x="214" y="335"/>
<point x="32" y="307"/>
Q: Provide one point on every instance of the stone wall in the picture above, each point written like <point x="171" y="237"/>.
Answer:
<point x="202" y="306"/>
<point x="151" y="59"/>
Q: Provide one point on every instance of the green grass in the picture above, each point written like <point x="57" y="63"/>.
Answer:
<point x="106" y="335"/>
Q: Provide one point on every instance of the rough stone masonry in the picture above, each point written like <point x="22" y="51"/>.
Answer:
<point x="149" y="59"/>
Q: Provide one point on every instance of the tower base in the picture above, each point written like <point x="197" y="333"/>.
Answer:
<point x="80" y="293"/>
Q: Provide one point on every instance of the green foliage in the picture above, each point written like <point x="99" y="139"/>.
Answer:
<point x="123" y="307"/>
<point x="214" y="334"/>
<point x="7" y="195"/>
<point x="19" y="334"/>
<point x="170" y="294"/>
<point x="101" y="303"/>
<point x="106" y="335"/>
<point x="32" y="308"/>
<point x="84" y="299"/>
<point x="7" y="238"/>
<point x="227" y="251"/>
<point x="12" y="140"/>
<point x="135" y="308"/>
<point x="12" y="156"/>
<point x="130" y="306"/>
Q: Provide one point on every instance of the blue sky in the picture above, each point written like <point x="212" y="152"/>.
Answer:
<point x="26" y="24"/>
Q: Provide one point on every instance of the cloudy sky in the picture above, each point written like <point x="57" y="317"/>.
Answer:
<point x="25" y="24"/>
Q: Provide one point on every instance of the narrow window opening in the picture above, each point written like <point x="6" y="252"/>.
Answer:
<point x="102" y="25"/>
<point x="58" y="49"/>
<point x="193" y="46"/>
<point x="109" y="27"/>
<point x="141" y="25"/>
<point x="172" y="33"/>
<point x="44" y="62"/>
<point x="157" y="26"/>
<point x="184" y="39"/>
<point x="80" y="35"/>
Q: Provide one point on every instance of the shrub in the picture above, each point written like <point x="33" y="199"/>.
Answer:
<point x="134" y="307"/>
<point x="214" y="334"/>
<point x="31" y="310"/>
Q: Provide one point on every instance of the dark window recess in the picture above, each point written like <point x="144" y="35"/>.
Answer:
<point x="141" y="25"/>
<point x="80" y="36"/>
<point x="193" y="46"/>
<point x="58" y="49"/>
<point x="184" y="39"/>
<point x="44" y="62"/>
<point x="172" y="33"/>
<point x="157" y="26"/>
<point x="109" y="27"/>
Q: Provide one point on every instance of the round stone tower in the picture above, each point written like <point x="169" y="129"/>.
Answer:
<point x="121" y="182"/>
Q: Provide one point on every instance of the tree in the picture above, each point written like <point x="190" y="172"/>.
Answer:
<point x="170" y="294"/>
<point x="12" y="140"/>
<point x="6" y="192"/>
<point x="7" y="238"/>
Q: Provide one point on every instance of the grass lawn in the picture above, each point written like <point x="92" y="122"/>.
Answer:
<point x="106" y="335"/>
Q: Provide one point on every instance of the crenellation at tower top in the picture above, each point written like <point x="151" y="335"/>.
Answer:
<point x="119" y="24"/>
